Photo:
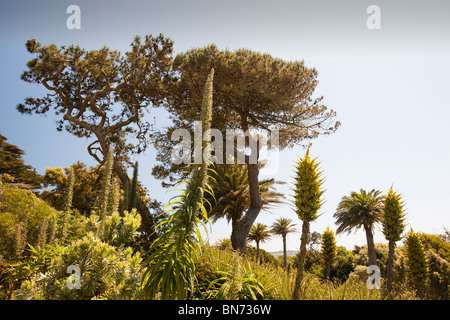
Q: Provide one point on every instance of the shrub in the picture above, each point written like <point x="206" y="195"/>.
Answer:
<point x="22" y="215"/>
<point x="106" y="272"/>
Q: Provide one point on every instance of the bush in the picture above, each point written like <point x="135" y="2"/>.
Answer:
<point x="106" y="272"/>
<point x="438" y="284"/>
<point x="22" y="215"/>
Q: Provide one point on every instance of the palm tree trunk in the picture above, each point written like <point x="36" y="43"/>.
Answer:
<point x="327" y="271"/>
<point x="257" y="251"/>
<point x="390" y="265"/>
<point x="301" y="260"/>
<point x="284" y="252"/>
<point x="370" y="246"/>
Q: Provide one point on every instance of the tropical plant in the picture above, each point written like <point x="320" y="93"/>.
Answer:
<point x="393" y="226"/>
<point x="170" y="269"/>
<point x="259" y="233"/>
<point x="232" y="196"/>
<point x="329" y="250"/>
<point x="308" y="201"/>
<point x="417" y="262"/>
<point x="282" y="227"/>
<point x="235" y="283"/>
<point x="225" y="274"/>
<point x="363" y="209"/>
<point x="115" y="229"/>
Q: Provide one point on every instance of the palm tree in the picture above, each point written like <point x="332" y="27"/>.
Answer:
<point x="362" y="209"/>
<point x="258" y="233"/>
<point x="282" y="227"/>
<point x="232" y="196"/>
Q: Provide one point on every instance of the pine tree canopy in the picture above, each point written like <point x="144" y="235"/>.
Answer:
<point x="13" y="168"/>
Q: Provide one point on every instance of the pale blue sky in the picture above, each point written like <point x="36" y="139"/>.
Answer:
<point x="389" y="87"/>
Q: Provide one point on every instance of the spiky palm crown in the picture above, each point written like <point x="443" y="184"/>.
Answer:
<point x="329" y="249"/>
<point x="308" y="188"/>
<point x="393" y="216"/>
<point x="259" y="233"/>
<point x="362" y="209"/>
<point x="283" y="226"/>
<point x="417" y="259"/>
<point x="231" y="191"/>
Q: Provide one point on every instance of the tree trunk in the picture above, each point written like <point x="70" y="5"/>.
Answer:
<point x="257" y="251"/>
<point x="301" y="260"/>
<point x="390" y="265"/>
<point x="370" y="246"/>
<point x="284" y="251"/>
<point x="242" y="226"/>
<point x="327" y="271"/>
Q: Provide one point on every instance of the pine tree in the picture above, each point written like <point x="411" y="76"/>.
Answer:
<point x="307" y="199"/>
<point x="393" y="226"/>
<point x="417" y="262"/>
<point x="13" y="168"/>
<point x="329" y="250"/>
